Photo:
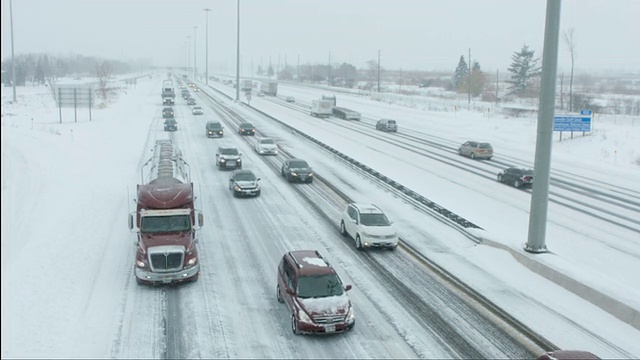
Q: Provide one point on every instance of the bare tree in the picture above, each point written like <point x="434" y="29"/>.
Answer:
<point x="570" y="41"/>
<point x="103" y="73"/>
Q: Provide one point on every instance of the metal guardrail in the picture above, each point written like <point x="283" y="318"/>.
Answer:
<point x="387" y="180"/>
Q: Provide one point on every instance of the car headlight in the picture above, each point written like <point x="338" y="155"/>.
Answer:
<point x="310" y="174"/>
<point x="223" y="160"/>
<point x="140" y="264"/>
<point x="239" y="160"/>
<point x="351" y="315"/>
<point x="367" y="234"/>
<point x="304" y="317"/>
<point x="293" y="173"/>
<point x="236" y="188"/>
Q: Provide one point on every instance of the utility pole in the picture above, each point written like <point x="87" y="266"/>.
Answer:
<point x="195" y="54"/>
<point x="298" y="67"/>
<point x="378" y="70"/>
<point x="238" y="54"/>
<point x="13" y="59"/>
<point x="469" y="75"/>
<point x="329" y="75"/>
<point x="542" y="163"/>
<point x="497" y="81"/>
<point x="189" y="55"/>
<point x="206" y="47"/>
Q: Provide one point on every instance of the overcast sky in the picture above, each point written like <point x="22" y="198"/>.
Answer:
<point x="410" y="34"/>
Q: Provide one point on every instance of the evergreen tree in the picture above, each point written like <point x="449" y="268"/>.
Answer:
<point x="478" y="80"/>
<point x="259" y="71"/>
<point x="460" y="75"/>
<point x="270" y="71"/>
<point x="524" y="69"/>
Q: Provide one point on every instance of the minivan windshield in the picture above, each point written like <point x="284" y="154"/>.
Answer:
<point x="213" y="126"/>
<point x="319" y="286"/>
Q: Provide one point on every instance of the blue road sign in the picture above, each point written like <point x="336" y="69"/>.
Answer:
<point x="572" y="123"/>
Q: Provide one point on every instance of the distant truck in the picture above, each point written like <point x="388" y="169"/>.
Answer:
<point x="332" y="98"/>
<point x="269" y="87"/>
<point x="321" y="108"/>
<point x="165" y="220"/>
<point x="346" y="114"/>
<point x="247" y="85"/>
<point x="168" y="93"/>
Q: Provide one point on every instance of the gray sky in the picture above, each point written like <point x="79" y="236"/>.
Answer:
<point x="410" y="34"/>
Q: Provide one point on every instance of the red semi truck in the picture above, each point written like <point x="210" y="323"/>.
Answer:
<point x="165" y="220"/>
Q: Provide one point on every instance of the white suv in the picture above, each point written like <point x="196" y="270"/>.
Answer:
<point x="368" y="226"/>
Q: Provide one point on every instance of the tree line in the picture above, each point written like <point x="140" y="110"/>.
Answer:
<point x="40" y="68"/>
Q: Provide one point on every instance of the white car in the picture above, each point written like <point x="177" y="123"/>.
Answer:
<point x="266" y="146"/>
<point x="290" y="99"/>
<point x="197" y="110"/>
<point x="368" y="226"/>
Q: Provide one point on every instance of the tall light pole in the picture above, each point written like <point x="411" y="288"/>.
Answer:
<point x="195" y="55"/>
<point x="189" y="55"/>
<point x="184" y="56"/>
<point x="206" y="46"/>
<point x="238" y="55"/>
<point x="13" y="60"/>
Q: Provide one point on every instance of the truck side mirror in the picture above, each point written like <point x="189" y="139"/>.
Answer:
<point x="347" y="288"/>
<point x="130" y="222"/>
<point x="200" y="219"/>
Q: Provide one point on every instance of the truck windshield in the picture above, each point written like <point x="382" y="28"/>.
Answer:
<point x="160" y="224"/>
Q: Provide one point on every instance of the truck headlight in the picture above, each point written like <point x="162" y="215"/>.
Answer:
<point x="192" y="261"/>
<point x="140" y="264"/>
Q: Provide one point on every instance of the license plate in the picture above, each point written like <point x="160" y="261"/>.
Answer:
<point x="330" y="328"/>
<point x="231" y="163"/>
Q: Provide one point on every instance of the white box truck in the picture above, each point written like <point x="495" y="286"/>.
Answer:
<point x="321" y="108"/>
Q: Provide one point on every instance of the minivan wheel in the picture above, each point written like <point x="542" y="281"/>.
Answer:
<point x="472" y="155"/>
<point x="459" y="151"/>
<point x="358" y="242"/>
<point x="517" y="183"/>
<point x="499" y="177"/>
<point x="343" y="229"/>
<point x="294" y="325"/>
<point x="279" y="294"/>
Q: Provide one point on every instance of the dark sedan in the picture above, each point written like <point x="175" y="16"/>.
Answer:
<point x="297" y="170"/>
<point x="247" y="129"/>
<point x="516" y="177"/>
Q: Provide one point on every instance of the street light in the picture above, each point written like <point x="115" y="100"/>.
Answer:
<point x="188" y="55"/>
<point x="206" y="46"/>
<point x="238" y="55"/>
<point x="195" y="57"/>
